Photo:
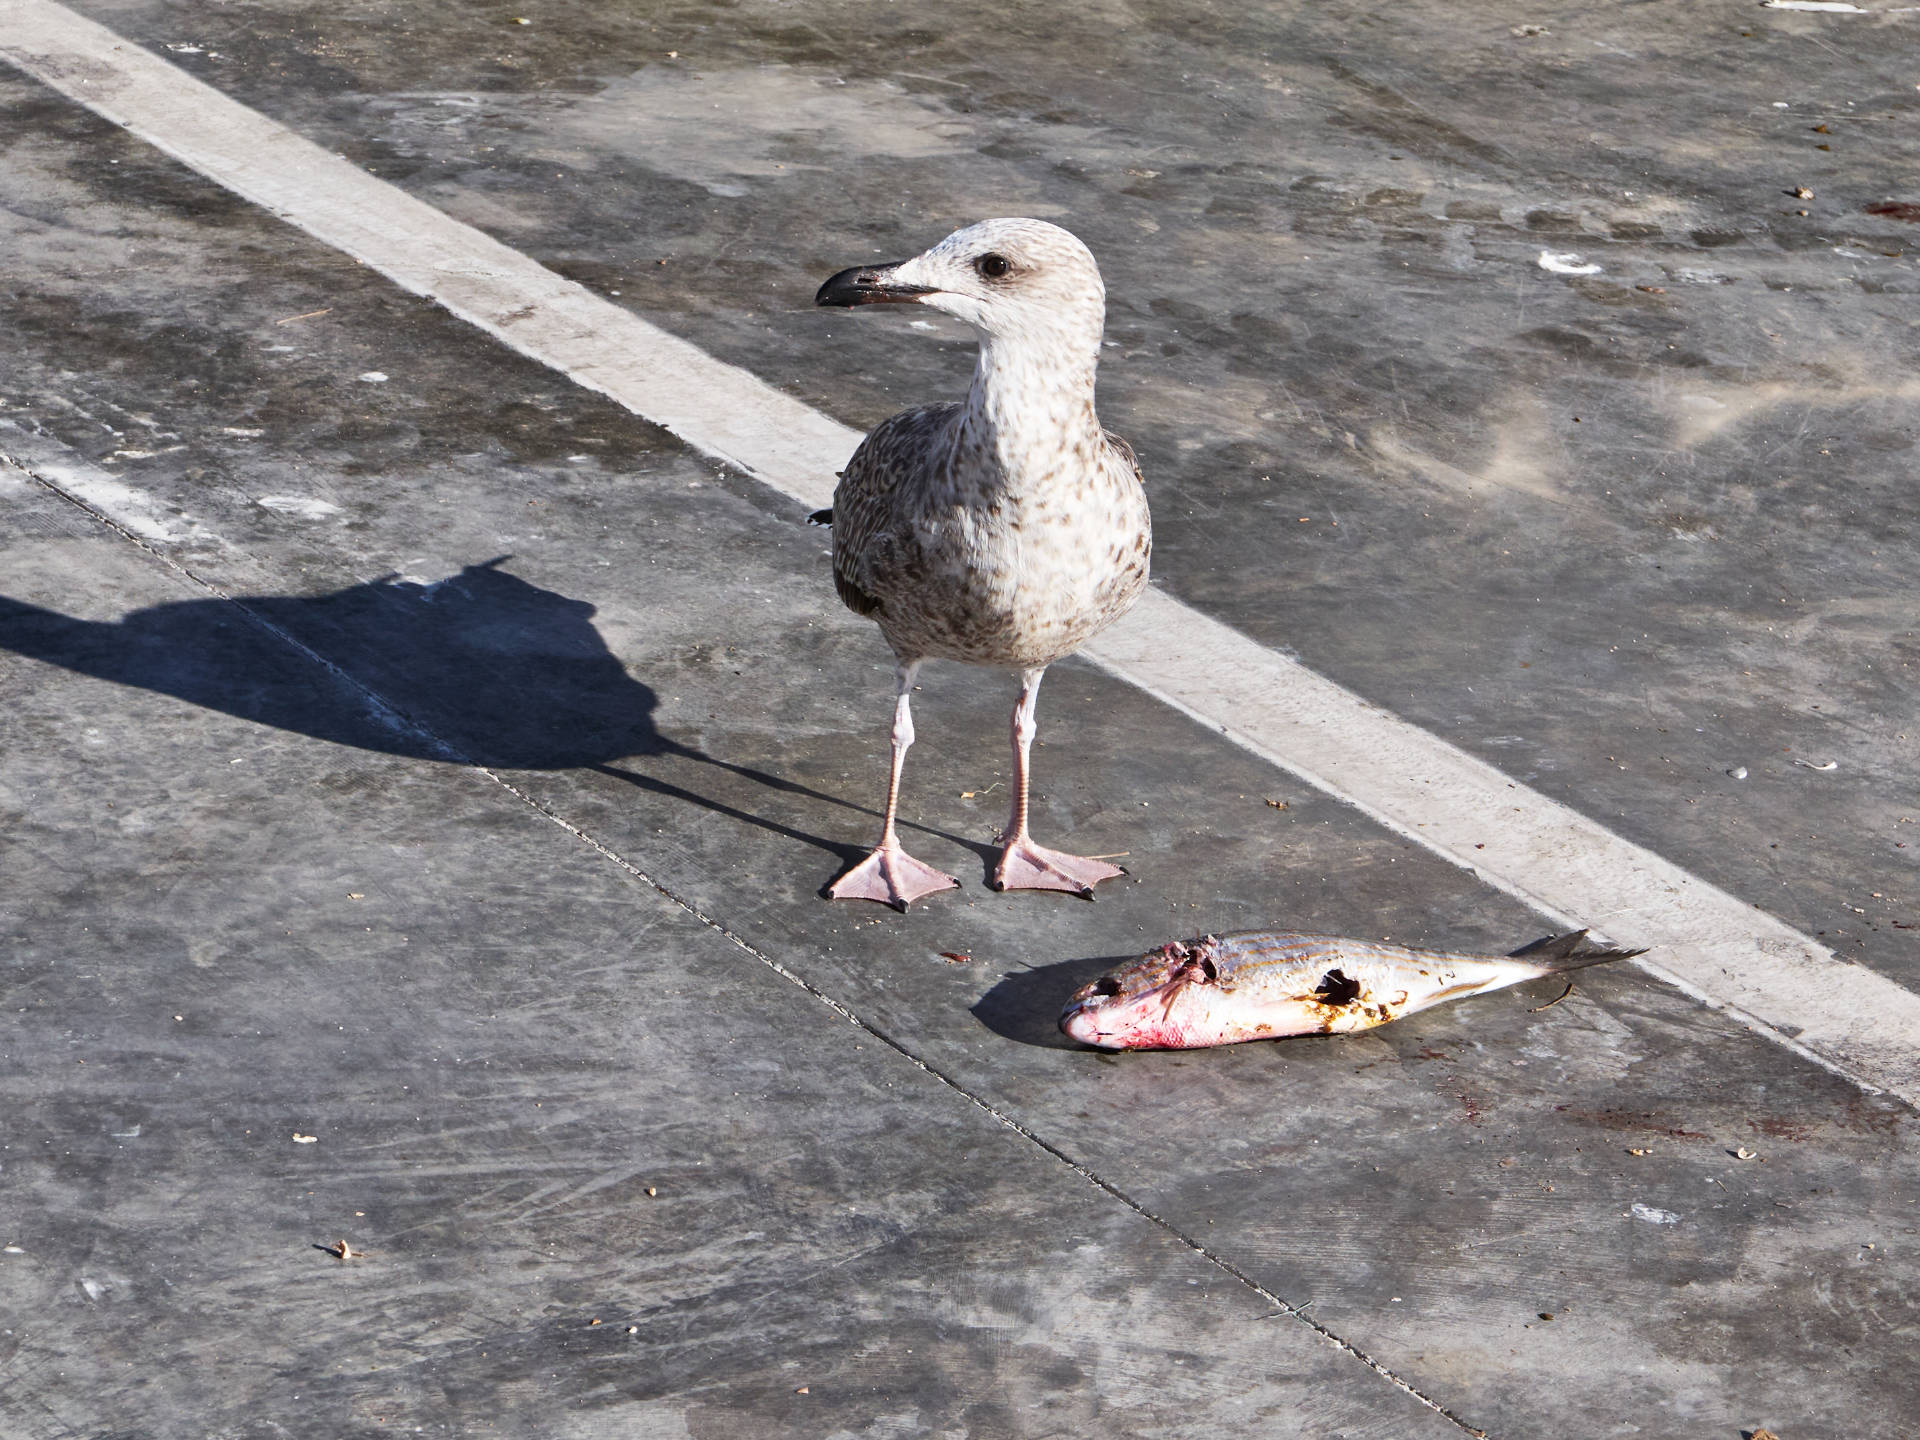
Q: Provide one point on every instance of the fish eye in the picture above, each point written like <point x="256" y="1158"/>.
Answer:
<point x="993" y="266"/>
<point x="1105" y="986"/>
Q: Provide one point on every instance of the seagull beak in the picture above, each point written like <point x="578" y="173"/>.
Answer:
<point x="871" y="285"/>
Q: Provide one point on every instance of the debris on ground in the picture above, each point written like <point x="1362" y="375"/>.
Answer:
<point x="1565" y="263"/>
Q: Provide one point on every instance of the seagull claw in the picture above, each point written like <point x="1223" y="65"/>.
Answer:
<point x="892" y="877"/>
<point x="1027" y="866"/>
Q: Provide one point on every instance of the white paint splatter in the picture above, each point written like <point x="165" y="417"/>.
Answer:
<point x="129" y="507"/>
<point x="1566" y="263"/>
<point x="304" y="506"/>
<point x="1653" y="1216"/>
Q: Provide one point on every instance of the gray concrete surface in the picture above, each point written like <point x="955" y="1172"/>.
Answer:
<point x="881" y="1174"/>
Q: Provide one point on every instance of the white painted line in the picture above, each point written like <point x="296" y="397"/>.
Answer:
<point x="716" y="408"/>
<point x="1713" y="946"/>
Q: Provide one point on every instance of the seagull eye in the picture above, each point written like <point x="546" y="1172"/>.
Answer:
<point x="993" y="266"/>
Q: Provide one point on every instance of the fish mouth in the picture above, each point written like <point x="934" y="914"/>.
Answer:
<point x="1077" y="1023"/>
<point x="871" y="285"/>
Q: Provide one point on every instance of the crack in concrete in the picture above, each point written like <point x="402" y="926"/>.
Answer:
<point x="399" y="720"/>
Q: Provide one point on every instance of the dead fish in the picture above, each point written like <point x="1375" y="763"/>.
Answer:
<point x="1266" y="984"/>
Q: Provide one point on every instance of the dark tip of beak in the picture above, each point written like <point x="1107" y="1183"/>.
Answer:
<point x="869" y="285"/>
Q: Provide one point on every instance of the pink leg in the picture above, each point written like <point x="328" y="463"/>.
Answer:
<point x="889" y="874"/>
<point x="1023" y="864"/>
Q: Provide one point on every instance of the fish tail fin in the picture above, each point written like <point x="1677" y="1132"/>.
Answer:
<point x="1571" y="951"/>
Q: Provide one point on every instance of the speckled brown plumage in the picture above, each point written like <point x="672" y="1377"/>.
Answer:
<point x="1007" y="530"/>
<point x="954" y="563"/>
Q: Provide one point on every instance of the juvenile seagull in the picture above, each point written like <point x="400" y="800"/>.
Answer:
<point x="1005" y="531"/>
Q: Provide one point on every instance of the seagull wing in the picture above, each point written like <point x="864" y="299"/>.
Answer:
<point x="879" y="483"/>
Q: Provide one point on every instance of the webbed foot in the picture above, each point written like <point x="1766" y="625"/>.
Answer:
<point x="891" y="876"/>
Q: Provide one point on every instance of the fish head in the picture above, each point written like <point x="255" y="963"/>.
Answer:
<point x="1165" y="1000"/>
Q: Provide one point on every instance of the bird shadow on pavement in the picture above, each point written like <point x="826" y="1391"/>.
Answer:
<point x="1025" y="1006"/>
<point x="480" y="668"/>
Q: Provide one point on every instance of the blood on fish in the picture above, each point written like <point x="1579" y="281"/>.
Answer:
<point x="1219" y="989"/>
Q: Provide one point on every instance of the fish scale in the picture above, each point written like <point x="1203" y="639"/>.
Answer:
<point x="1269" y="984"/>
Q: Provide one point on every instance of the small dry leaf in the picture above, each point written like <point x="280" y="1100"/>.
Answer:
<point x="651" y="1191"/>
<point x="966" y="794"/>
<point x="956" y="957"/>
<point x="355" y="895"/>
<point x="594" y="1321"/>
<point x="1762" y="1435"/>
<point x="1278" y="804"/>
<point x="1740" y="1152"/>
<point x="1632" y="1151"/>
<point x="300" y="1139"/>
<point x="803" y="1390"/>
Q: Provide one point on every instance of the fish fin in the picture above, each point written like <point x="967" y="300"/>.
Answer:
<point x="1571" y="951"/>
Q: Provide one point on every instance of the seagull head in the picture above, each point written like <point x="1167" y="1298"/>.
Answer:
<point x="1008" y="279"/>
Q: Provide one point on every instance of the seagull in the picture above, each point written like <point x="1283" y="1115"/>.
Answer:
<point x="1005" y="531"/>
